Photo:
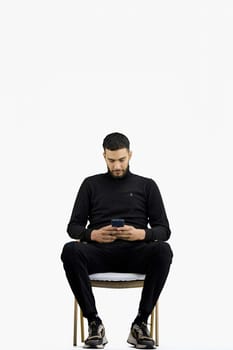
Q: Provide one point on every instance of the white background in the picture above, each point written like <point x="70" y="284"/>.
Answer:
<point x="158" y="71"/>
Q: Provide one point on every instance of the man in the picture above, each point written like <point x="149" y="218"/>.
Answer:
<point x="137" y="247"/>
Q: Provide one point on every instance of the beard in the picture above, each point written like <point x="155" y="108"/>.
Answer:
<point x="118" y="174"/>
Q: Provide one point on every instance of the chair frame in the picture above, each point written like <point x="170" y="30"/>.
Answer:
<point x="154" y="325"/>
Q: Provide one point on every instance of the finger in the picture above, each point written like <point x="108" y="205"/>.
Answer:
<point x="123" y="234"/>
<point x="109" y="238"/>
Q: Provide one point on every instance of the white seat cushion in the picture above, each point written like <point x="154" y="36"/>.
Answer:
<point x="116" y="276"/>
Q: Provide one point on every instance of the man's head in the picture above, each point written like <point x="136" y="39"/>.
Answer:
<point x="117" y="154"/>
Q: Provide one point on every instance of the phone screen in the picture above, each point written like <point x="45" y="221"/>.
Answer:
<point x="117" y="222"/>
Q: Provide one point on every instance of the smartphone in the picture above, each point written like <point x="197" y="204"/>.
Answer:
<point x="117" y="222"/>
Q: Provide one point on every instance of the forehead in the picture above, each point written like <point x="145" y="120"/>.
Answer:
<point x="118" y="154"/>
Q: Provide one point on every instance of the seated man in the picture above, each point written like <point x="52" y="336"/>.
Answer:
<point x="138" y="246"/>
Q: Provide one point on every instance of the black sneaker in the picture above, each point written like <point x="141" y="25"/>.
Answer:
<point x="96" y="337"/>
<point x="140" y="337"/>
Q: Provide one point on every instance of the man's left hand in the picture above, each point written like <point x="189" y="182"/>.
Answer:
<point x="130" y="233"/>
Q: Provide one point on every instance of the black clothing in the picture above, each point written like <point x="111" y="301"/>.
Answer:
<point x="151" y="258"/>
<point x="134" y="198"/>
<point x="137" y="200"/>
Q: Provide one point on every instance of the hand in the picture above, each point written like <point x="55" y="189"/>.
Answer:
<point x="130" y="233"/>
<point x="106" y="234"/>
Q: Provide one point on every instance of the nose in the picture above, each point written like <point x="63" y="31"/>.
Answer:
<point x="117" y="166"/>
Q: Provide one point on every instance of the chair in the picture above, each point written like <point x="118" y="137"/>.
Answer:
<point x="116" y="280"/>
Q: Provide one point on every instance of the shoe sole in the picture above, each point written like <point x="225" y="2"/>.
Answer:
<point x="93" y="345"/>
<point x="131" y="340"/>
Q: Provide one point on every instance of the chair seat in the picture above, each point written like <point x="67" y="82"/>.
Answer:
<point x="116" y="276"/>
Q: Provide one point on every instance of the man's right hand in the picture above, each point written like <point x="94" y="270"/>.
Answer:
<point x="106" y="234"/>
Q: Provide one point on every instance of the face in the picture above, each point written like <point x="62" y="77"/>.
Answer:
<point x="117" y="161"/>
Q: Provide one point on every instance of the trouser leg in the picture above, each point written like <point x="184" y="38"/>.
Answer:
<point x="80" y="260"/>
<point x="154" y="259"/>
<point x="156" y="274"/>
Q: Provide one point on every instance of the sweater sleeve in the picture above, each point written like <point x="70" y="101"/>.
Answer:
<point x="80" y="215"/>
<point x="159" y="225"/>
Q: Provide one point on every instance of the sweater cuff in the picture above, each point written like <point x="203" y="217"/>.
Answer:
<point x="157" y="233"/>
<point x="149" y="234"/>
<point x="87" y="235"/>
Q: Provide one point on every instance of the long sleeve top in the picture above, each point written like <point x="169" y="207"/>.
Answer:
<point x="134" y="198"/>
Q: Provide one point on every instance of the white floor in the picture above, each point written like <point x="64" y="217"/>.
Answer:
<point x="124" y="346"/>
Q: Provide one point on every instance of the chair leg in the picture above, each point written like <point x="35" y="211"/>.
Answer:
<point x="157" y="324"/>
<point x="82" y="326"/>
<point x="75" y="323"/>
<point x="152" y="317"/>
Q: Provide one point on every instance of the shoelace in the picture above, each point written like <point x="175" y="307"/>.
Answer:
<point x="145" y="329"/>
<point x="93" y="328"/>
<point x="142" y="330"/>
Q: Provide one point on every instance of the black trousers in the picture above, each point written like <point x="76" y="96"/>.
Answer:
<point x="150" y="258"/>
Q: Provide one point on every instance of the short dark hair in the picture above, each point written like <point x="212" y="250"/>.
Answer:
<point x="115" y="141"/>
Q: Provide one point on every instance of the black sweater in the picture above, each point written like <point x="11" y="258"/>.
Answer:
<point x="134" y="198"/>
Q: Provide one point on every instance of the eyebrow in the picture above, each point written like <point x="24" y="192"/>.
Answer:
<point x="122" y="158"/>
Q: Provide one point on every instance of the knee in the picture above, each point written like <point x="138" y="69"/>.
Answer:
<point x="68" y="251"/>
<point x="165" y="251"/>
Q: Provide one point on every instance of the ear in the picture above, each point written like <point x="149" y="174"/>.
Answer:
<point x="104" y="154"/>
<point x="130" y="154"/>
